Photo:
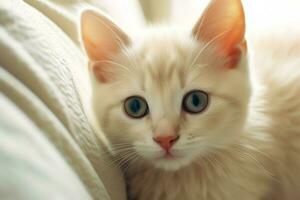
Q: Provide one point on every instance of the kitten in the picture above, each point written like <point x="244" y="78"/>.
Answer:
<point x="175" y="106"/>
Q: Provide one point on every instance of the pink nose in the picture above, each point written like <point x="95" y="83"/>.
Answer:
<point x="166" y="142"/>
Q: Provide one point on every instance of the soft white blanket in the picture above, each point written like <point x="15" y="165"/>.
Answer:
<point x="48" y="149"/>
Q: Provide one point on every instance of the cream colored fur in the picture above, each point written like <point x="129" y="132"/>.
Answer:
<point x="246" y="145"/>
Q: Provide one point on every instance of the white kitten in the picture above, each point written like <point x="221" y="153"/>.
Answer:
<point x="174" y="106"/>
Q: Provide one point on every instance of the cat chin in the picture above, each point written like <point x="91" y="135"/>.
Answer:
<point x="171" y="164"/>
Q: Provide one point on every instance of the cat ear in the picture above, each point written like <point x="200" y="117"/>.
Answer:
<point x="101" y="37"/>
<point x="223" y="24"/>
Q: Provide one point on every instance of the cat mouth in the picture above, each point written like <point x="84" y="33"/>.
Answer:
<point x="171" y="161"/>
<point x="168" y="156"/>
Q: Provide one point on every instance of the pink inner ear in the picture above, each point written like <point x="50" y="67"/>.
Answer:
<point x="234" y="58"/>
<point x="235" y="55"/>
<point x="103" y="73"/>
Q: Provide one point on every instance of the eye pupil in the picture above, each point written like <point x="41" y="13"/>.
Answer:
<point x="196" y="100"/>
<point x="135" y="106"/>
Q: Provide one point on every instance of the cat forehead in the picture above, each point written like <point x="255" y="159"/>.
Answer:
<point x="163" y="53"/>
<point x="164" y="44"/>
<point x="163" y="59"/>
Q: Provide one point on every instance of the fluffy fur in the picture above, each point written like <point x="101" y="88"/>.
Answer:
<point x="246" y="145"/>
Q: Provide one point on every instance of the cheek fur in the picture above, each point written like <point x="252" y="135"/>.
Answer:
<point x="116" y="124"/>
<point x="215" y="120"/>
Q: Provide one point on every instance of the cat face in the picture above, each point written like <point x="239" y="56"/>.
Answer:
<point x="169" y="97"/>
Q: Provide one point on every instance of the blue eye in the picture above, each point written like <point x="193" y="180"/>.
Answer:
<point x="136" y="107"/>
<point x="195" y="101"/>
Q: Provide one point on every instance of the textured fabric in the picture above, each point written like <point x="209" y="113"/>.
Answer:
<point x="48" y="149"/>
<point x="126" y="13"/>
<point x="31" y="166"/>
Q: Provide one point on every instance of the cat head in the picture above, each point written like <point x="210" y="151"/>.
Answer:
<point x="170" y="96"/>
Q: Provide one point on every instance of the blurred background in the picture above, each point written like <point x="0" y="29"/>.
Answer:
<point x="258" y="12"/>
